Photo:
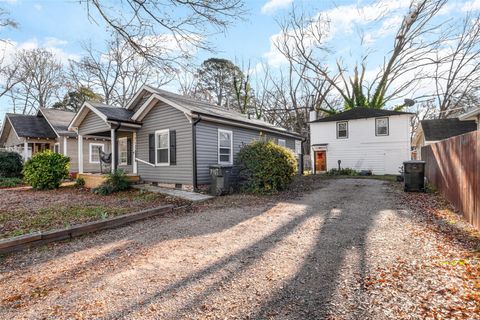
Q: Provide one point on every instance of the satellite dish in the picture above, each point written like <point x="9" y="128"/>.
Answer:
<point x="408" y="102"/>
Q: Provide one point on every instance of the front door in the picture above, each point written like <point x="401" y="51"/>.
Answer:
<point x="320" y="161"/>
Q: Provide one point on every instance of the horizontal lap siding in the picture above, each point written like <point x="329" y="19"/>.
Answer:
<point x="92" y="124"/>
<point x="12" y="139"/>
<point x="162" y="117"/>
<point x="207" y="145"/>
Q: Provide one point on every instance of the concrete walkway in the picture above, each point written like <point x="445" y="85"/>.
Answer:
<point x="186" y="195"/>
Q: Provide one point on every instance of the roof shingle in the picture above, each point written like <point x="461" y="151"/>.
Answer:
<point x="361" y="113"/>
<point x="440" y="129"/>
<point x="31" y="126"/>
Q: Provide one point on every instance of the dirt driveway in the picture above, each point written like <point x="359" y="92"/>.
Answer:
<point x="301" y="259"/>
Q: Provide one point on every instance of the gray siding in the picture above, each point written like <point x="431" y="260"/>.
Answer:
<point x="207" y="145"/>
<point x="12" y="139"/>
<point x="92" y="124"/>
<point x="161" y="117"/>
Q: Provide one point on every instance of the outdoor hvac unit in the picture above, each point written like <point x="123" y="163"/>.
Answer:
<point x="414" y="175"/>
<point x="221" y="179"/>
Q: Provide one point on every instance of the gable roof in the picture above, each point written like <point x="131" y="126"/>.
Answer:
<point x="29" y="126"/>
<point x="439" y="129"/>
<point x="112" y="113"/>
<point x="58" y="120"/>
<point x="361" y="113"/>
<point x="194" y="106"/>
<point x="470" y="114"/>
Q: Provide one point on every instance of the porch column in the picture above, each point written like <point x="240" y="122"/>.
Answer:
<point x="25" y="150"/>
<point x="134" y="152"/>
<point x="65" y="146"/>
<point x="113" y="139"/>
<point x="80" y="153"/>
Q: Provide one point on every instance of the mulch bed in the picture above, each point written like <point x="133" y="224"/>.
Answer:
<point x="26" y="211"/>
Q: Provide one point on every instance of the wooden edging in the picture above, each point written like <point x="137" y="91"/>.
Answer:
<point x="40" y="238"/>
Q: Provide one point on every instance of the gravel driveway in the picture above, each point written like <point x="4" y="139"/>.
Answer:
<point x="299" y="259"/>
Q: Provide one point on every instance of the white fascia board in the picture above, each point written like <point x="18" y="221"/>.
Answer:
<point x="86" y="107"/>
<point x="148" y="105"/>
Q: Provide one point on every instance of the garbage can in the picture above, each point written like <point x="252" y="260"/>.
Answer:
<point x="414" y="175"/>
<point x="220" y="177"/>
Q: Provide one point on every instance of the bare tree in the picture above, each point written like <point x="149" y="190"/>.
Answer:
<point x="303" y="41"/>
<point x="116" y="74"/>
<point x="39" y="78"/>
<point x="148" y="25"/>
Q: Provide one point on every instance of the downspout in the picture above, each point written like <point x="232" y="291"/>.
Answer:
<point x="194" y="151"/>
<point x="300" y="169"/>
<point x="119" y="124"/>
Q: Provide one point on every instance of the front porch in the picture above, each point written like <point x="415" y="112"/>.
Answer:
<point x="93" y="180"/>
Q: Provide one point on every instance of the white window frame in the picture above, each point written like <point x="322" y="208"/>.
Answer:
<point x="56" y="145"/>
<point x="376" y="127"/>
<point x="338" y="131"/>
<point x="120" y="162"/>
<point x="90" y="148"/>
<point x="231" y="147"/>
<point x="157" y="133"/>
<point x="283" y="143"/>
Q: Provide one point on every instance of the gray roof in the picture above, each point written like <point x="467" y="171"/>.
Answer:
<point x="59" y="120"/>
<point x="439" y="129"/>
<point x="361" y="113"/>
<point x="31" y="126"/>
<point x="114" y="113"/>
<point x="205" y="108"/>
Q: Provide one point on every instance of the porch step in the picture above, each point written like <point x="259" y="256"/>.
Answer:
<point x="182" y="194"/>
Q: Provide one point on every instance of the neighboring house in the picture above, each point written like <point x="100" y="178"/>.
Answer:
<point x="48" y="129"/>
<point x="473" y="115"/>
<point x="171" y="139"/>
<point x="435" y="130"/>
<point x="361" y="139"/>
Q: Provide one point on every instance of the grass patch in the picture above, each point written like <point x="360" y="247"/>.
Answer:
<point x="10" y="182"/>
<point x="24" y="222"/>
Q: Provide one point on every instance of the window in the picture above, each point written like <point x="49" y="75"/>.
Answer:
<point x="342" y="130"/>
<point x="225" y="147"/>
<point x="122" y="151"/>
<point x="381" y="126"/>
<point x="281" y="142"/>
<point x="298" y="147"/>
<point x="162" y="150"/>
<point x="95" y="149"/>
<point x="56" y="148"/>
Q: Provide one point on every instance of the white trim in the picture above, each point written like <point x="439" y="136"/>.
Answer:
<point x="148" y="105"/>
<point x="472" y="113"/>
<point x="231" y="146"/>
<point x="120" y="163"/>
<point x="81" y="114"/>
<point x="80" y="153"/>
<point x="377" y="134"/>
<point x="134" y="152"/>
<point x="337" y="133"/>
<point x="157" y="133"/>
<point x="90" y="145"/>
<point x="284" y="143"/>
<point x="135" y="97"/>
<point x="113" y="139"/>
<point x="25" y="150"/>
<point x="56" y="144"/>
<point x="65" y="144"/>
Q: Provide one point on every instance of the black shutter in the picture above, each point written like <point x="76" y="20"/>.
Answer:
<point x="173" y="147"/>
<point x="151" y="148"/>
<point x="129" y="151"/>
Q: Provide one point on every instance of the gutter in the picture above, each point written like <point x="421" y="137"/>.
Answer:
<point x="300" y="169"/>
<point x="194" y="151"/>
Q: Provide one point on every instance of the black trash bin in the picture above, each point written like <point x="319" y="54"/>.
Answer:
<point x="414" y="175"/>
<point x="221" y="179"/>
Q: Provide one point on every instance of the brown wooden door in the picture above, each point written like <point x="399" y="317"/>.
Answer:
<point x="320" y="161"/>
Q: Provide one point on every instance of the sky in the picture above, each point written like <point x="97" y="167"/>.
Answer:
<point x="62" y="25"/>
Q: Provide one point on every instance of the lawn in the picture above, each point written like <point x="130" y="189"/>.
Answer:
<point x="27" y="211"/>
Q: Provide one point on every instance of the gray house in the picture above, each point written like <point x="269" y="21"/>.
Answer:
<point x="170" y="139"/>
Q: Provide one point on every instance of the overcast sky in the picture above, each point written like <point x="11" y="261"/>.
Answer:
<point x="61" y="25"/>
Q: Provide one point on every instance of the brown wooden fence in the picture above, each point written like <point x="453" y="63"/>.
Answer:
<point x="453" y="167"/>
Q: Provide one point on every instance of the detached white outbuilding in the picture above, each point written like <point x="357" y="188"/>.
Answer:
<point x="361" y="139"/>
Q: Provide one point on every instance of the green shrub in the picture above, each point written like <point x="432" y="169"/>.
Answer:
<point x="46" y="170"/>
<point x="265" y="167"/>
<point x="10" y="164"/>
<point x="79" y="182"/>
<point x="115" y="182"/>
<point x="10" y="182"/>
<point x="342" y="172"/>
